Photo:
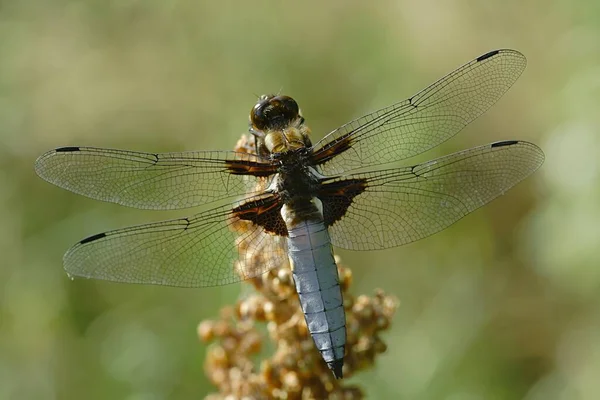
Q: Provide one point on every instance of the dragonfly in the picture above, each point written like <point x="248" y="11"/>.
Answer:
<point x="297" y="199"/>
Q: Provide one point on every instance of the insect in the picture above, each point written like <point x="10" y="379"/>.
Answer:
<point x="303" y="197"/>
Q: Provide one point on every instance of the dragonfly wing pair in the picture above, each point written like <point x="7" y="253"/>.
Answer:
<point x="364" y="210"/>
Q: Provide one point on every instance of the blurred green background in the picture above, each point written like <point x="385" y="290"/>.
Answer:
<point x="503" y="305"/>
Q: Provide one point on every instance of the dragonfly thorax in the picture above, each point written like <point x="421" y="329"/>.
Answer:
<point x="295" y="179"/>
<point x="286" y="140"/>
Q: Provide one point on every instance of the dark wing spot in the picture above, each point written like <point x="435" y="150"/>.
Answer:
<point x="487" y="55"/>
<point x="504" y="143"/>
<point x="92" y="238"/>
<point x="333" y="149"/>
<point x="67" y="149"/>
<point x="265" y="212"/>
<point x="337" y="196"/>
<point x="245" y="167"/>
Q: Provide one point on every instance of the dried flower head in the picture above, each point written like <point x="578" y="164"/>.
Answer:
<point x="296" y="370"/>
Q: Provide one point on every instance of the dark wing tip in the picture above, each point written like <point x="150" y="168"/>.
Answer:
<point x="487" y="55"/>
<point x="336" y="367"/>
<point x="41" y="162"/>
<point x="92" y="238"/>
<point x="534" y="152"/>
<point x="508" y="52"/>
<point x="67" y="149"/>
<point x="504" y="143"/>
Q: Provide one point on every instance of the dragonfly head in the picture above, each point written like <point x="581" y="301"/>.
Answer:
<point x="274" y="113"/>
<point x="278" y="125"/>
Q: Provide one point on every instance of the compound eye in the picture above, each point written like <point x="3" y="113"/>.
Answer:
<point x="273" y="112"/>
<point x="258" y="116"/>
<point x="289" y="105"/>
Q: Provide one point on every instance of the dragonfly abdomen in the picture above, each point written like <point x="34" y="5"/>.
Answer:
<point x="317" y="283"/>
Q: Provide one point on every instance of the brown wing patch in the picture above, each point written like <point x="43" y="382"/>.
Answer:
<point x="264" y="212"/>
<point x="337" y="196"/>
<point x="332" y="149"/>
<point x="246" y="167"/>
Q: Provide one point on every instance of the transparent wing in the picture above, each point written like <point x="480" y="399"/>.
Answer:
<point x="399" y="206"/>
<point x="423" y="121"/>
<point x="209" y="249"/>
<point x="164" y="181"/>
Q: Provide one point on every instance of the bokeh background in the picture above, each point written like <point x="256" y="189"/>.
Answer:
<point x="503" y="305"/>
